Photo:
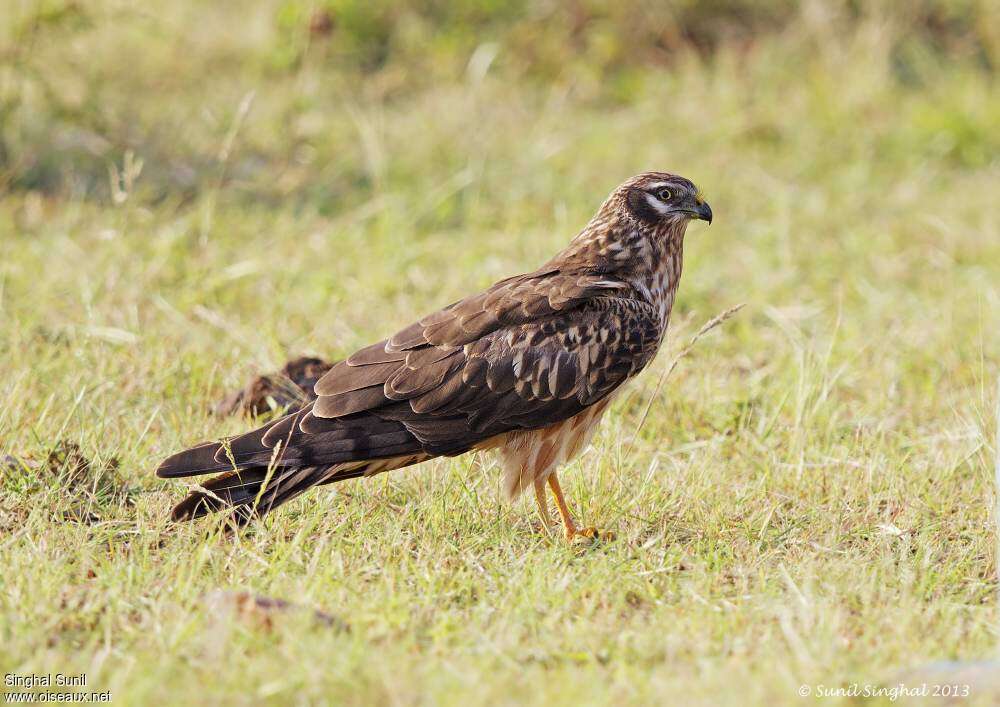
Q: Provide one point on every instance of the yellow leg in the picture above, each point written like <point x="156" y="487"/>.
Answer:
<point x="571" y="530"/>
<point x="567" y="519"/>
<point x="543" y="504"/>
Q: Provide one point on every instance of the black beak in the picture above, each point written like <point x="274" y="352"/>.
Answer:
<point x="704" y="212"/>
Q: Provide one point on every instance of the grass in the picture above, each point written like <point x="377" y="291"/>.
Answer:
<point x="808" y="500"/>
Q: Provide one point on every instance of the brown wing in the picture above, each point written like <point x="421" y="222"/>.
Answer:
<point x="530" y="351"/>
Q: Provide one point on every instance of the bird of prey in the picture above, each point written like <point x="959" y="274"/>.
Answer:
<point x="526" y="368"/>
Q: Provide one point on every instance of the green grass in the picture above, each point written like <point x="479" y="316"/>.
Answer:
<point x="808" y="501"/>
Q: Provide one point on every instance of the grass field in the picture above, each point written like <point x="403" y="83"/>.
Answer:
<point x="808" y="501"/>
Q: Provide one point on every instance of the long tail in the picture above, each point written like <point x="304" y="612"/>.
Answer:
<point x="251" y="494"/>
<point x="270" y="466"/>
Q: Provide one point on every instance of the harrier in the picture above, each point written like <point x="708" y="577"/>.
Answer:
<point x="526" y="368"/>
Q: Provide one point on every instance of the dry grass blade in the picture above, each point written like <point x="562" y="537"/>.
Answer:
<point x="708" y="326"/>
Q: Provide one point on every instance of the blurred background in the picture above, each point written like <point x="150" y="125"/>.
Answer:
<point x="317" y="101"/>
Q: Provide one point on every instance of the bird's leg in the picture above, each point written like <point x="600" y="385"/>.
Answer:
<point x="567" y="519"/>
<point x="543" y="504"/>
<point x="571" y="530"/>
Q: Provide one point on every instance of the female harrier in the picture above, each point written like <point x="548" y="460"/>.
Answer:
<point x="526" y="368"/>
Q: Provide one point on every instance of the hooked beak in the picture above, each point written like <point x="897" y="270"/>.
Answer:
<point x="704" y="212"/>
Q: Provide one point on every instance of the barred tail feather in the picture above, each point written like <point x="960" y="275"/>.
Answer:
<point x="269" y="466"/>
<point x="250" y="493"/>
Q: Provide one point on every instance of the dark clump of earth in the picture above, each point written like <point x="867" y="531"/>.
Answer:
<point x="287" y="389"/>
<point x="88" y="490"/>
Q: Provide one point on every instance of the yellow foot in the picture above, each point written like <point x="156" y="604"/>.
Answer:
<point x="590" y="534"/>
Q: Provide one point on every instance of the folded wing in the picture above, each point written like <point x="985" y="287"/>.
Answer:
<point x="526" y="353"/>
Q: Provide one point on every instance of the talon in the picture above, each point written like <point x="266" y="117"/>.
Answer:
<point x="593" y="534"/>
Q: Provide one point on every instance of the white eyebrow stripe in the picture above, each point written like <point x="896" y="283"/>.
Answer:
<point x="659" y="185"/>
<point x="658" y="205"/>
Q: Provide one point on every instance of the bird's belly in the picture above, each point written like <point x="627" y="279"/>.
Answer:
<point x="534" y="454"/>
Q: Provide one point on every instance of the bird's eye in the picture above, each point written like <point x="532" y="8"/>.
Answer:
<point x="664" y="195"/>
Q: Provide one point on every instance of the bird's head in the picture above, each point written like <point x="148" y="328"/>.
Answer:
<point x="643" y="220"/>
<point x="662" y="199"/>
